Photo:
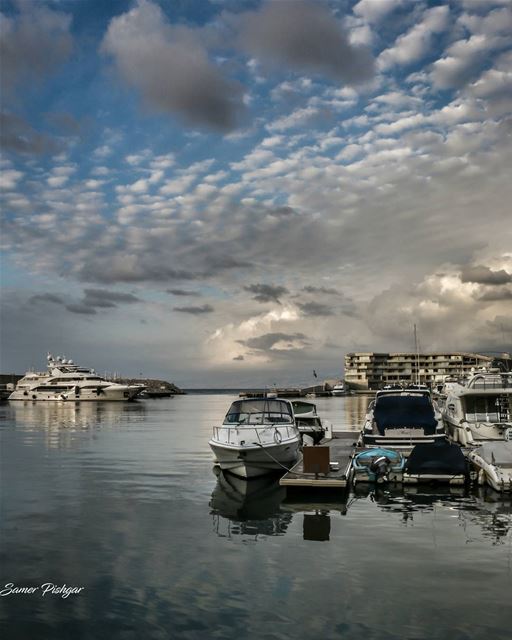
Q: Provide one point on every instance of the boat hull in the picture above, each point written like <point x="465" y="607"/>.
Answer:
<point x="494" y="462"/>
<point x="400" y="442"/>
<point x="475" y="433"/>
<point x="252" y="462"/>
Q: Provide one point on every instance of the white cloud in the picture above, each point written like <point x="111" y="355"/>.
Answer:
<point x="177" y="185"/>
<point x="375" y="10"/>
<point x="10" y="178"/>
<point x="103" y="151"/>
<point x="415" y="44"/>
<point x="463" y="60"/>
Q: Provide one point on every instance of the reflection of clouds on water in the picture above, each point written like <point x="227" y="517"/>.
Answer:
<point x="127" y="512"/>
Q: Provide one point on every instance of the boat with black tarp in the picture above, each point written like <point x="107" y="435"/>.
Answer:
<point x="402" y="418"/>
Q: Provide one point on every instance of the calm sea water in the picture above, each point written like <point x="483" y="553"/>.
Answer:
<point x="122" y="500"/>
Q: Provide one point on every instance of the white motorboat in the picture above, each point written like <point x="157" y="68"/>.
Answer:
<point x="339" y="389"/>
<point x="493" y="459"/>
<point x="480" y="409"/>
<point x="401" y="419"/>
<point x="258" y="436"/>
<point x="66" y="381"/>
<point x="310" y="425"/>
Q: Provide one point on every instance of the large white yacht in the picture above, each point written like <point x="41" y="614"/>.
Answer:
<point x="479" y="409"/>
<point x="258" y="436"/>
<point x="65" y="380"/>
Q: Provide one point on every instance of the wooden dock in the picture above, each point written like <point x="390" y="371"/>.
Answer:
<point x="341" y="448"/>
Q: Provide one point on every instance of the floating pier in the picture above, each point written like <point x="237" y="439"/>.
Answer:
<point x="330" y="466"/>
<point x="336" y="475"/>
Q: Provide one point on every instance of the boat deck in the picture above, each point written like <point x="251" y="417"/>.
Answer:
<point x="341" y="446"/>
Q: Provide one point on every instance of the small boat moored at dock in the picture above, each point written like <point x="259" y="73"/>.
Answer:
<point x="377" y="465"/>
<point x="494" y="463"/>
<point x="258" y="436"/>
<point x="400" y="419"/>
<point x="311" y="427"/>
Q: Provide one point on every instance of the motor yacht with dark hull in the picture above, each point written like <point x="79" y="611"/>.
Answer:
<point x="479" y="409"/>
<point x="65" y="381"/>
<point x="402" y="418"/>
<point x="258" y="436"/>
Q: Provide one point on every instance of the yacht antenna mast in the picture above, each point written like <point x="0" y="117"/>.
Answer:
<point x="417" y="355"/>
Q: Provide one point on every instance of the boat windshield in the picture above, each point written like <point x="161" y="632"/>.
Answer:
<point x="259" y="411"/>
<point x="488" y="408"/>
<point x="491" y="381"/>
<point x="303" y="407"/>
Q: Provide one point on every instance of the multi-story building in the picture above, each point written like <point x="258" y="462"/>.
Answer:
<point x="374" y="370"/>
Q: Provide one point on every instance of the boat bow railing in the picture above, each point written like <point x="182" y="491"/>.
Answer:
<point x="242" y="435"/>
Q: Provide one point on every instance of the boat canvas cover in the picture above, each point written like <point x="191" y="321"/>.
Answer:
<point x="497" y="453"/>
<point x="412" y="412"/>
<point x="438" y="457"/>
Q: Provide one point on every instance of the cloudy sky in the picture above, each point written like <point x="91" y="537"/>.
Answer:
<point x="238" y="192"/>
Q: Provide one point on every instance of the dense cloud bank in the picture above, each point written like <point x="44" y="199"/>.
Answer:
<point x="320" y="179"/>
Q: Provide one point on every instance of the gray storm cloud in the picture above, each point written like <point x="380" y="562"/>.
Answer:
<point x="183" y="292"/>
<point x="306" y="36"/>
<point x="81" y="309"/>
<point x="103" y="297"/>
<point x="266" y="341"/>
<point x="16" y="134"/>
<point x="47" y="297"/>
<point x="92" y="300"/>
<point x="195" y="311"/>
<point x="170" y="68"/>
<point x="315" y="309"/>
<point x="496" y="294"/>
<point x="325" y="290"/>
<point x="266" y="292"/>
<point x="481" y="274"/>
<point x="32" y="44"/>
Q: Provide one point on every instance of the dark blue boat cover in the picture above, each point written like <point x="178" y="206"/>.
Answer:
<point x="437" y="457"/>
<point x="396" y="411"/>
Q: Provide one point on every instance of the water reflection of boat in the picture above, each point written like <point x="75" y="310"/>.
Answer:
<point x="493" y="515"/>
<point x="61" y="421"/>
<point x="250" y="506"/>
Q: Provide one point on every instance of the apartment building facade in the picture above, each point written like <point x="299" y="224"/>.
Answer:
<point x="374" y="370"/>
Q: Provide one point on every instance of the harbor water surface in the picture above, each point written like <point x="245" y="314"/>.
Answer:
<point x="122" y="500"/>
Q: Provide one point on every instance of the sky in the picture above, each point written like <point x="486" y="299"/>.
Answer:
<point x="236" y="193"/>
